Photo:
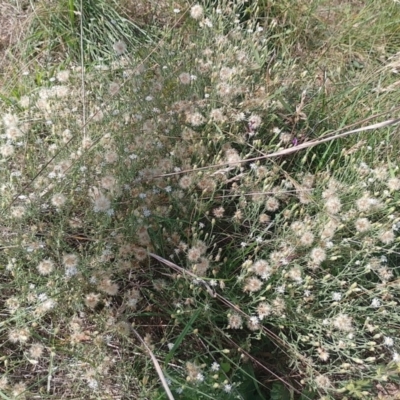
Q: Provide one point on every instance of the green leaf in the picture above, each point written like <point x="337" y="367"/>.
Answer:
<point x="226" y="367"/>
<point x="279" y="392"/>
<point x="249" y="389"/>
<point x="184" y="332"/>
<point x="307" y="394"/>
<point x="3" y="396"/>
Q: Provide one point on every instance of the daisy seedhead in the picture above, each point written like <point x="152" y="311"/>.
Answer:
<point x="197" y="12"/>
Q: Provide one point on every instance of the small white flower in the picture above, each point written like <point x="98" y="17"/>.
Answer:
<point x="200" y="377"/>
<point x="375" y="303"/>
<point x="93" y="384"/>
<point x="70" y="271"/>
<point x="388" y="341"/>
<point x="254" y="320"/>
<point x="336" y="296"/>
<point x="227" y="388"/>
<point x="396" y="226"/>
<point x="280" y="289"/>
<point x="42" y="297"/>
<point x="396" y="357"/>
<point x="214" y="366"/>
<point x="207" y="22"/>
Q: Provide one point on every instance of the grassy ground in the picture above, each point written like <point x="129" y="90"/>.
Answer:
<point x="186" y="211"/>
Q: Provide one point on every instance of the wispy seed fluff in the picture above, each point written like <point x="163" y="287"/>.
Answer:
<point x="226" y="73"/>
<point x="185" y="182"/>
<point x="307" y="238"/>
<point x="262" y="269"/>
<point x="217" y="115"/>
<point x="7" y="150"/>
<point x="323" y="382"/>
<point x="252" y="285"/>
<point x="196" y="12"/>
<point x="298" y="228"/>
<point x="264" y="218"/>
<point x="196" y="119"/>
<point x="70" y="260"/>
<point x="10" y="120"/>
<point x="218" y="212"/>
<point x="362" y="225"/>
<point x="36" y="350"/>
<point x="323" y="354"/>
<point x="235" y="321"/>
<point x="185" y="78"/>
<point x="272" y="204"/>
<point x="333" y="205"/>
<point x="232" y="157"/>
<point x="393" y="184"/>
<point x="343" y="322"/>
<point x="58" y="200"/>
<point x="200" y="268"/>
<point x="196" y="251"/>
<point x="318" y="255"/>
<point x="264" y="310"/>
<point x="92" y="299"/>
<point x="366" y="203"/>
<point x="13" y="133"/>
<point x="193" y="372"/>
<point x="253" y="323"/>
<point x="295" y="274"/>
<point x="387" y="237"/>
<point x="107" y="286"/>
<point x="18" y="211"/>
<point x="45" y="267"/>
<point x="100" y="202"/>
<point x="19" y="335"/>
<point x="329" y="230"/>
<point x="381" y="173"/>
